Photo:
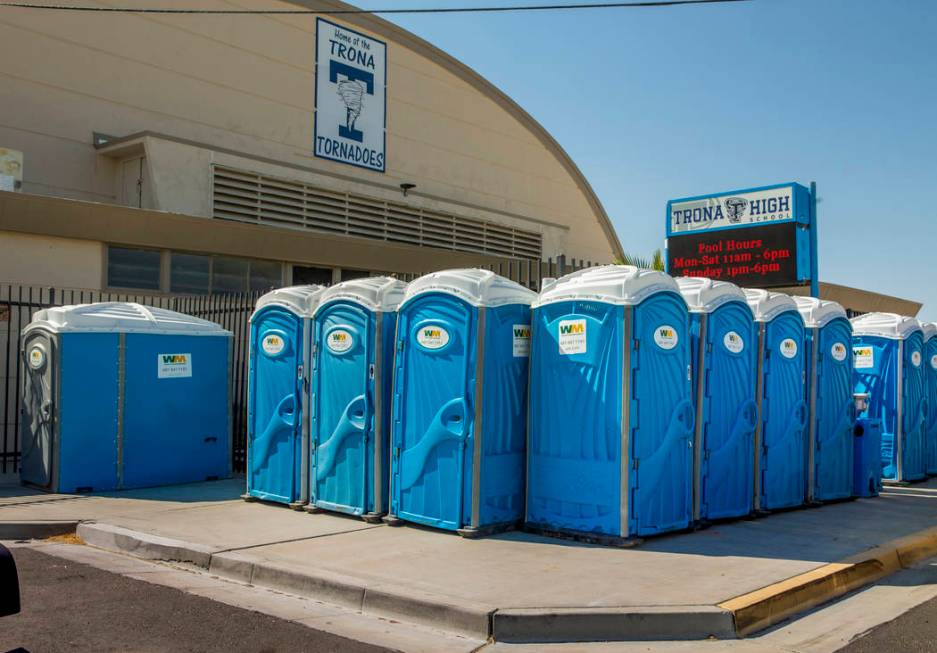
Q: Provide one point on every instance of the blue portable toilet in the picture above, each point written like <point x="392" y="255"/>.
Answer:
<point x="353" y="364"/>
<point x="610" y="453"/>
<point x="867" y="470"/>
<point x="278" y="396"/>
<point x="119" y="395"/>
<point x="888" y="364"/>
<point x="930" y="373"/>
<point x="460" y="401"/>
<point x="832" y="408"/>
<point x="723" y="348"/>
<point x="781" y="435"/>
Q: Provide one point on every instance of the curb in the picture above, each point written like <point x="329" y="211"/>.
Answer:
<point x="144" y="545"/>
<point x="552" y="625"/>
<point x="35" y="530"/>
<point x="769" y="605"/>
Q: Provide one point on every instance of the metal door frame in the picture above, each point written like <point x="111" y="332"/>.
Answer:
<point x="812" y="430"/>
<point x="759" y="400"/>
<point x="625" y="454"/>
<point x="698" y="427"/>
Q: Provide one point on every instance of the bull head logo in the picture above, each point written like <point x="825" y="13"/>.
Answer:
<point x="735" y="208"/>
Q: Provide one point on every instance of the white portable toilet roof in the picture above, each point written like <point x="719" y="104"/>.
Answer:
<point x="768" y="305"/>
<point x="929" y="329"/>
<point x="302" y="300"/>
<point x="477" y="287"/>
<point x="885" y="325"/>
<point x="704" y="295"/>
<point x="121" y="317"/>
<point x="817" y="313"/>
<point x="374" y="293"/>
<point x="624" y="285"/>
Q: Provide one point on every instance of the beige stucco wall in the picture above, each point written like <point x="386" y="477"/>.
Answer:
<point x="47" y="261"/>
<point x="246" y="84"/>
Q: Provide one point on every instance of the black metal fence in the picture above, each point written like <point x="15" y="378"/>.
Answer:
<point x="231" y="311"/>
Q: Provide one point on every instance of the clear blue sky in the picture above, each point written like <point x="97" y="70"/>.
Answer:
<point x="654" y="104"/>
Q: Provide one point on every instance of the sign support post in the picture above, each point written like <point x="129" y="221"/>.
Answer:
<point x="815" y="275"/>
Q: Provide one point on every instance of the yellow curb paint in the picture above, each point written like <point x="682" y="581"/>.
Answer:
<point x="769" y="605"/>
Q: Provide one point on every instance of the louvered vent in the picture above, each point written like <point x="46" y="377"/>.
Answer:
<point x="249" y="197"/>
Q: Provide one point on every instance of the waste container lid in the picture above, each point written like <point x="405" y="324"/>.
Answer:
<point x="768" y="305"/>
<point x="704" y="295"/>
<point x="817" y="313"/>
<point x="374" y="293"/>
<point x="121" y="317"/>
<point x="929" y="329"/>
<point x="302" y="300"/>
<point x="624" y="285"/>
<point x="477" y="287"/>
<point x="885" y="325"/>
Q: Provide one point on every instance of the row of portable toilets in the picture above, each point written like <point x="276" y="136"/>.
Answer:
<point x="618" y="403"/>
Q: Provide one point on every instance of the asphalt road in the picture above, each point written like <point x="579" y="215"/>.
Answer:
<point x="69" y="606"/>
<point x="913" y="632"/>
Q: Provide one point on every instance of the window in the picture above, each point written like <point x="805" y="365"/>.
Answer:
<point x="348" y="275"/>
<point x="303" y="275"/>
<point x="138" y="269"/>
<point x="265" y="275"/>
<point x="190" y="273"/>
<point x="228" y="275"/>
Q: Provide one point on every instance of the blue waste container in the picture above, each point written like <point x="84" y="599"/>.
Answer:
<point x="888" y="365"/>
<point x="353" y="364"/>
<point x="832" y="410"/>
<point x="119" y="395"/>
<point x="611" y="412"/>
<point x="867" y="470"/>
<point x="930" y="372"/>
<point x="460" y="401"/>
<point x="723" y="346"/>
<point x="277" y="419"/>
<point x="780" y="439"/>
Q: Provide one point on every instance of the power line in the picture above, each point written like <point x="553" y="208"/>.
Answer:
<point x="338" y="12"/>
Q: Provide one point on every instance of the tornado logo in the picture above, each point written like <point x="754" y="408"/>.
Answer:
<point x="735" y="208"/>
<point x="352" y="94"/>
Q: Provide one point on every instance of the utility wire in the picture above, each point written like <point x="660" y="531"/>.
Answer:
<point x="338" y="12"/>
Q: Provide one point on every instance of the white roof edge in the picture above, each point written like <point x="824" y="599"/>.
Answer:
<point x="476" y="286"/>
<point x="623" y="285"/>
<point x="817" y="313"/>
<point x="301" y="300"/>
<point x="885" y="325"/>
<point x="121" y="317"/>
<point x="704" y="295"/>
<point x="374" y="293"/>
<point x="929" y="329"/>
<point x="767" y="305"/>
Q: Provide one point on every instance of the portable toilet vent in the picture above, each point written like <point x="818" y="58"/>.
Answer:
<point x="830" y="401"/>
<point x="930" y="372"/>
<point x="460" y="401"/>
<point x="780" y="438"/>
<point x="611" y="413"/>
<point x="119" y="395"/>
<point x="277" y="421"/>
<point x="353" y="349"/>
<point x="889" y="366"/>
<point x="724" y="347"/>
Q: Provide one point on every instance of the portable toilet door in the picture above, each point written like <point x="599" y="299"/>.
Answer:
<point x="780" y="438"/>
<point x="353" y="355"/>
<point x="460" y="399"/>
<point x="723" y="347"/>
<point x="830" y="402"/>
<point x="278" y="428"/>
<point x="610" y="433"/>
<point x="930" y="372"/>
<point x="888" y="365"/>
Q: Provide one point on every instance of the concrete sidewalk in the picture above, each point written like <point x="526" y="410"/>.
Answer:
<point x="724" y="581"/>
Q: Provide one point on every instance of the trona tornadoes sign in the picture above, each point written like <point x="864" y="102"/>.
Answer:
<point x="760" y="237"/>
<point x="351" y="97"/>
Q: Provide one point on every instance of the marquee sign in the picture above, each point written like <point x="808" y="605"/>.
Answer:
<point x="760" y="237"/>
<point x="351" y="97"/>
